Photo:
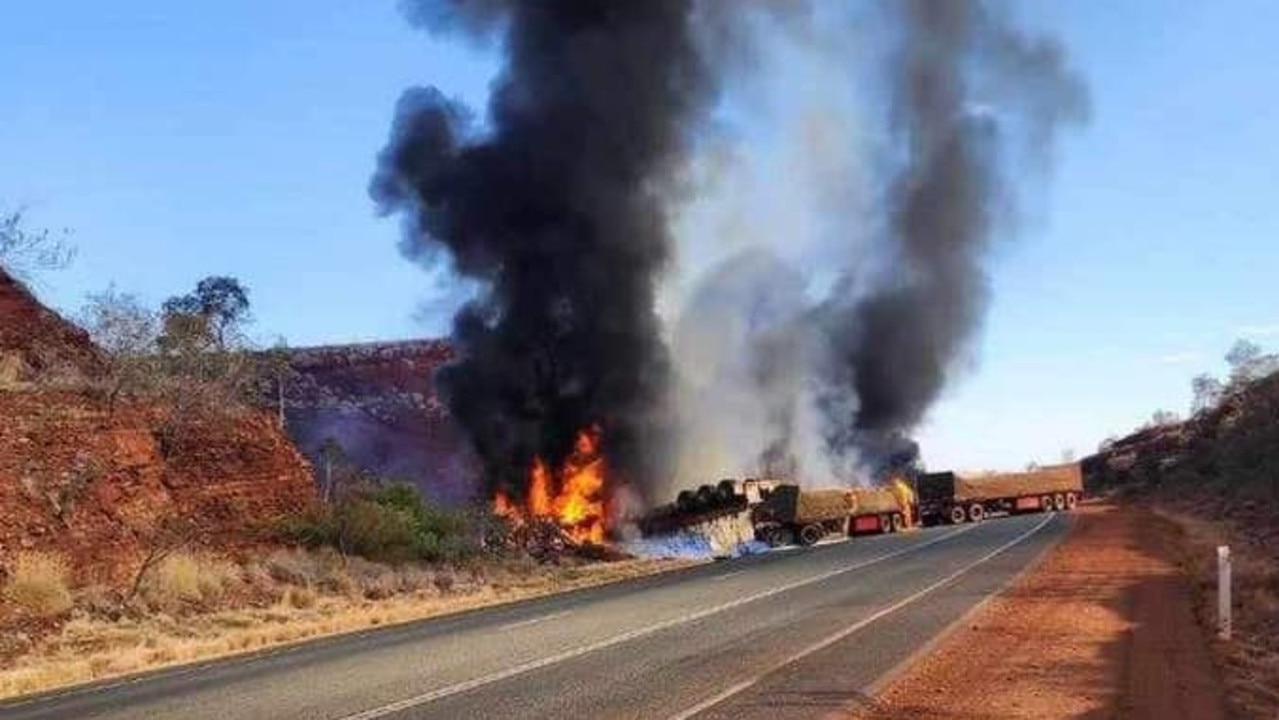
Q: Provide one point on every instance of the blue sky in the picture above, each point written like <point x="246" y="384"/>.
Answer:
<point x="178" y="140"/>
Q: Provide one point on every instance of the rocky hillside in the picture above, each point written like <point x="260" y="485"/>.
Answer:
<point x="96" y="485"/>
<point x="378" y="403"/>
<point x="1227" y="457"/>
<point x="35" y="341"/>
<point x="1217" y="476"/>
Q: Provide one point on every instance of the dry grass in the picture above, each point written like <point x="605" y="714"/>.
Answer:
<point x="189" y="580"/>
<point x="1250" y="661"/>
<point x="39" y="584"/>
<point x="322" y="597"/>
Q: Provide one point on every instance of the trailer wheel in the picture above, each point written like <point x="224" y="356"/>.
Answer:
<point x="899" y="522"/>
<point x="1071" y="501"/>
<point x="976" y="513"/>
<point x="1046" y="503"/>
<point x="1059" y="502"/>
<point x="810" y="534"/>
<point x="957" y="516"/>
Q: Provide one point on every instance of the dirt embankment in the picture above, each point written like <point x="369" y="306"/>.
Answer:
<point x="92" y="484"/>
<point x="35" y="340"/>
<point x="1103" y="627"/>
<point x="95" y="486"/>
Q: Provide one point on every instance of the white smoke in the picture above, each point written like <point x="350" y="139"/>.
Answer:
<point x="779" y="199"/>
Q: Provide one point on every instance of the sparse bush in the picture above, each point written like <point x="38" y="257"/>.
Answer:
<point x="39" y="584"/>
<point x="187" y="579"/>
<point x="293" y="567"/>
<point x="301" y="598"/>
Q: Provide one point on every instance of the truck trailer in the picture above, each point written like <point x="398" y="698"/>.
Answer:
<point x="794" y="515"/>
<point x="947" y="497"/>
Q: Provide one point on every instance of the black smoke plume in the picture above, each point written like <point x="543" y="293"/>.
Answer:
<point x="555" y="205"/>
<point x="964" y="88"/>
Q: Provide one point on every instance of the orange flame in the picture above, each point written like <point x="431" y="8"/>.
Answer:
<point x="906" y="498"/>
<point x="573" y="497"/>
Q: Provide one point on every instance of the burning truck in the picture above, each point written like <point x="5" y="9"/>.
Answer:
<point x="735" y="513"/>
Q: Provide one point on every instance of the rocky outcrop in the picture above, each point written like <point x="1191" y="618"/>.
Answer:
<point x="98" y="485"/>
<point x="35" y="341"/>
<point x="378" y="403"/>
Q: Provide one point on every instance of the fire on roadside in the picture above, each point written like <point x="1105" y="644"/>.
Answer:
<point x="572" y="497"/>
<point x="906" y="498"/>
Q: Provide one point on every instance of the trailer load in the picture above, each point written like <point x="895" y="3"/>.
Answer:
<point x="706" y="503"/>
<point x="947" y="497"/>
<point x="792" y="514"/>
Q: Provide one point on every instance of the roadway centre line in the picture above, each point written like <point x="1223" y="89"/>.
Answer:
<point x="842" y="634"/>
<point x="533" y="621"/>
<point x="530" y="666"/>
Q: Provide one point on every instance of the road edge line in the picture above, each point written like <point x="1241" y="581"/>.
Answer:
<point x="532" y="665"/>
<point x="878" y="684"/>
<point x="861" y="624"/>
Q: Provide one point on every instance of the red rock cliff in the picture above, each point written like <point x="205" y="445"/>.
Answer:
<point x="94" y="485"/>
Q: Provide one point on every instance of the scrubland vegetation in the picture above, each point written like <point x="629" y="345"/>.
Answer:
<point x="1216" y="476"/>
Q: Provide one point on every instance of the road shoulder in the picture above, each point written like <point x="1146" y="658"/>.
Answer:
<point x="1102" y="627"/>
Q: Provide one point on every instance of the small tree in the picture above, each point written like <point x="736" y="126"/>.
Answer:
<point x="331" y="454"/>
<point x="127" y="333"/>
<point x="24" y="252"/>
<point x="1208" y="392"/>
<point x="1161" y="418"/>
<point x="219" y="307"/>
<point x="1248" y="363"/>
<point x="276" y="373"/>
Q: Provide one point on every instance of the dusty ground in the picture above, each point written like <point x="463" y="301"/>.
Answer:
<point x="90" y="647"/>
<point x="1250" y="661"/>
<point x="1103" y="627"/>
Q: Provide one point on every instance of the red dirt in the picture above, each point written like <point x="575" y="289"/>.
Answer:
<point x="1103" y="627"/>
<point x="36" y="337"/>
<point x="78" y="480"/>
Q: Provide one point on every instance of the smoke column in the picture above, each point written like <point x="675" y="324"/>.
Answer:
<point x="556" y="208"/>
<point x="964" y="88"/>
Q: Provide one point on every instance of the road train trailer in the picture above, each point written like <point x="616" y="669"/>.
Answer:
<point x="947" y="497"/>
<point x="795" y="515"/>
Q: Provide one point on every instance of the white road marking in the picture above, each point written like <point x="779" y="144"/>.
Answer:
<point x="842" y="634"/>
<point x="635" y="634"/>
<point x="533" y="621"/>
<point x="726" y="576"/>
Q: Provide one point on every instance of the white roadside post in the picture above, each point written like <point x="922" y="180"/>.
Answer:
<point x="1223" y="592"/>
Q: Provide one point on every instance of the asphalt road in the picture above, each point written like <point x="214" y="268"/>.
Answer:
<point x="794" y="634"/>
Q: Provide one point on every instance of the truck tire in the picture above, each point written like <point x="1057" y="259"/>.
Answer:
<point x="1059" y="502"/>
<point x="976" y="512"/>
<point x="726" y="491"/>
<point x="686" y="501"/>
<point x="706" y="497"/>
<point x="810" y="534"/>
<point x="885" y="524"/>
<point x="1046" y="503"/>
<point x="899" y="522"/>
<point x="957" y="516"/>
<point x="1071" y="501"/>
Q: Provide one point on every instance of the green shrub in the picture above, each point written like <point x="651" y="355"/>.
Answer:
<point x="390" y="523"/>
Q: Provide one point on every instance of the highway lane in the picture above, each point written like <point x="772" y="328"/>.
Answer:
<point x="800" y="633"/>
